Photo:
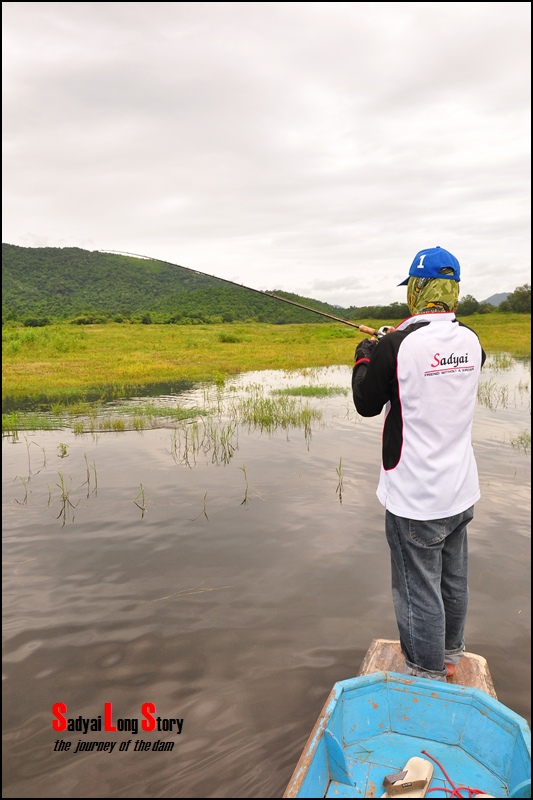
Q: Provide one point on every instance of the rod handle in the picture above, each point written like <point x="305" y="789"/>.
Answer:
<point x="366" y="329"/>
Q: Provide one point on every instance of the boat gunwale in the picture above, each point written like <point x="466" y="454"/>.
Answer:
<point x="470" y="695"/>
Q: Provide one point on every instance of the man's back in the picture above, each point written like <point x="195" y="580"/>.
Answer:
<point x="426" y="374"/>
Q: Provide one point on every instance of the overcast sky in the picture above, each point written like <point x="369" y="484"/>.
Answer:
<point x="309" y="147"/>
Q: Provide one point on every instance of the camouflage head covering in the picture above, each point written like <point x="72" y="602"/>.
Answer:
<point x="432" y="295"/>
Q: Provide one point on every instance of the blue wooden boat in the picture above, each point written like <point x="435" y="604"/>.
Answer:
<point x="372" y="725"/>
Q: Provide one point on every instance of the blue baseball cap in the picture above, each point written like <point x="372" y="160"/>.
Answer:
<point x="435" y="262"/>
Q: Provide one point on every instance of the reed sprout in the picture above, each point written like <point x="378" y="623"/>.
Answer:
<point x="204" y="510"/>
<point x="142" y="504"/>
<point x="43" y="465"/>
<point x="245" y="498"/>
<point x="340" y="484"/>
<point x="67" y="505"/>
<point x="24" y="500"/>
<point x="88" y="478"/>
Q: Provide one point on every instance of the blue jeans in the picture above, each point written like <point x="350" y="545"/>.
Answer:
<point x="429" y="564"/>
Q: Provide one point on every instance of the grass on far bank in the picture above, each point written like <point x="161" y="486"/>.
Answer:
<point x="61" y="362"/>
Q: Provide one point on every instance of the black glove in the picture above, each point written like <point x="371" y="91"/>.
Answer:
<point x="365" y="349"/>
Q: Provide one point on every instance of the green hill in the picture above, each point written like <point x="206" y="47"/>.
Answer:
<point x="57" y="283"/>
<point x="52" y="284"/>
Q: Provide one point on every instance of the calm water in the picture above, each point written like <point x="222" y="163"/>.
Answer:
<point x="230" y="595"/>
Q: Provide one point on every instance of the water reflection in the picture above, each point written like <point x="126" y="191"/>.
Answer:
<point x="231" y="592"/>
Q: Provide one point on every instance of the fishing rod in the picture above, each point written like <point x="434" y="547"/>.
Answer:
<point x="363" y="328"/>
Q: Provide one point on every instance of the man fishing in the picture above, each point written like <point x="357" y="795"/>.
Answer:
<point x="425" y="373"/>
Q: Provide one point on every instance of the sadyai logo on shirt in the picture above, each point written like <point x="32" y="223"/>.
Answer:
<point x="452" y="362"/>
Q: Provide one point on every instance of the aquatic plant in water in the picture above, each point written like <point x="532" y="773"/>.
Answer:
<point x="522" y="441"/>
<point x="491" y="395"/>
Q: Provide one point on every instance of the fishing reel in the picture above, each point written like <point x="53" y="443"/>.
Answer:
<point x="381" y="332"/>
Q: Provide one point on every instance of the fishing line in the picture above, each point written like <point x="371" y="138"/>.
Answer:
<point x="363" y="328"/>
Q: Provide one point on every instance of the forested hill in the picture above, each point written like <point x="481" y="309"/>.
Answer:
<point x="66" y="283"/>
<point x="49" y="284"/>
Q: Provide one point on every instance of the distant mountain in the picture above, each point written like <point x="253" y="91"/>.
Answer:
<point x="496" y="299"/>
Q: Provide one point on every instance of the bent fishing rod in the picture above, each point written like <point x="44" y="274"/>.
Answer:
<point x="363" y="328"/>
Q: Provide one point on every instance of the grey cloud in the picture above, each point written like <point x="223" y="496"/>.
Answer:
<point x="265" y="139"/>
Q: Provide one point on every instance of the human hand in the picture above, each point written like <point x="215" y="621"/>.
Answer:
<point x="384" y="330"/>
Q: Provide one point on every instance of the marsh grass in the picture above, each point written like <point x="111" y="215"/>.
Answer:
<point x="522" y="441"/>
<point x="269" y="413"/>
<point x="211" y="433"/>
<point x="522" y="387"/>
<point x="74" y="409"/>
<point x="492" y="395"/>
<point x="97" y="418"/>
<point x="215" y="433"/>
<point x="136" y="417"/>
<point x="312" y="391"/>
<point x="64" y="361"/>
<point x="229" y="338"/>
<point x="207" y="437"/>
<point x="52" y="339"/>
<point x="14" y="422"/>
<point x="499" y="362"/>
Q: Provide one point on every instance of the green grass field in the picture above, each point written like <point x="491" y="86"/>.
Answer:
<point x="63" y="362"/>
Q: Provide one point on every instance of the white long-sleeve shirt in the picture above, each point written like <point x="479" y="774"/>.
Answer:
<point x="425" y="373"/>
